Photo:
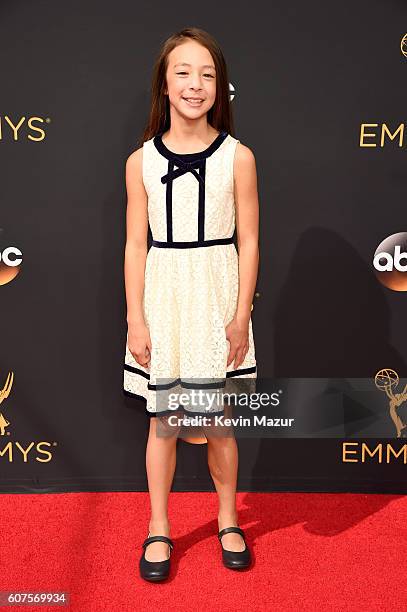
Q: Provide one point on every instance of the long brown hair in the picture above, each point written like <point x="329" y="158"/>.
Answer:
<point x="220" y="116"/>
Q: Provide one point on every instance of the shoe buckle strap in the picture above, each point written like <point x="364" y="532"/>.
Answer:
<point x="231" y="530"/>
<point x="157" y="538"/>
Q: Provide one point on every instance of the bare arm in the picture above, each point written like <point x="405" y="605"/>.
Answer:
<point x="136" y="238"/>
<point x="247" y="226"/>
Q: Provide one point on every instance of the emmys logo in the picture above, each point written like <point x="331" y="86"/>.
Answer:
<point x="403" y="45"/>
<point x="14" y="129"/>
<point x="385" y="380"/>
<point x="361" y="452"/>
<point x="11" y="259"/>
<point x="11" y="449"/>
<point x="390" y="262"/>
<point x="385" y="133"/>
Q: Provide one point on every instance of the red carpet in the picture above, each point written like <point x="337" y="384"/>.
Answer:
<point x="311" y="552"/>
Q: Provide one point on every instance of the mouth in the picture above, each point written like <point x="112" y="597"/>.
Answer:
<point x="193" y="101"/>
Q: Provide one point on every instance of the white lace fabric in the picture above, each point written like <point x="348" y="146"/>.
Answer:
<point x="190" y="294"/>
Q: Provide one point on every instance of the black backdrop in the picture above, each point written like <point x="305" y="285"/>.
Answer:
<point x="306" y="77"/>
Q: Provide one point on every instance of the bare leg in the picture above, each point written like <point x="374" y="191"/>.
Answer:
<point x="223" y="464"/>
<point x="161" y="454"/>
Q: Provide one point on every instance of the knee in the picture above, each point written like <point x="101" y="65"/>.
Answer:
<point x="161" y="427"/>
<point x="220" y="444"/>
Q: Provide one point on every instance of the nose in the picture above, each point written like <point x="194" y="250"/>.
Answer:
<point x="195" y="82"/>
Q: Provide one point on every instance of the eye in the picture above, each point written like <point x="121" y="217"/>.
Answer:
<point x="206" y="75"/>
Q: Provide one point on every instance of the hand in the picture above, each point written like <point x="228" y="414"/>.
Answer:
<point x="237" y="332"/>
<point x="139" y="343"/>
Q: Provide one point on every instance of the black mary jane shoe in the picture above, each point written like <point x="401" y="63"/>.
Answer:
<point x="155" y="570"/>
<point x="230" y="558"/>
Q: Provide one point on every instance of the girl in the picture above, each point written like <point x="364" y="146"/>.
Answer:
<point x="189" y="297"/>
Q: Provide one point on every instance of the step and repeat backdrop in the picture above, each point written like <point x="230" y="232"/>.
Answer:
<point x="319" y="95"/>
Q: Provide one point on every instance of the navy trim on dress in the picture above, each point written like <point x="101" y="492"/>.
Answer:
<point x="160" y="146"/>
<point x="179" y="164"/>
<point x="185" y="383"/>
<point x="201" y="202"/>
<point x="192" y="244"/>
<point x="134" y="370"/>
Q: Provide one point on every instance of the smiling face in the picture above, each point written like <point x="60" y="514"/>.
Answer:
<point x="191" y="80"/>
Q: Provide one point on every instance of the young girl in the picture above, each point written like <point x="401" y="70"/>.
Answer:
<point x="189" y="297"/>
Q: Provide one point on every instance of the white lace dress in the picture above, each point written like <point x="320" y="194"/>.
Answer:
<point x="191" y="277"/>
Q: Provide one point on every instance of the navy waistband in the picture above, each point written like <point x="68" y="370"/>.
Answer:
<point x="191" y="245"/>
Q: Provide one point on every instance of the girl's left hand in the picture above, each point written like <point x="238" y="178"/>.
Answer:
<point x="237" y="332"/>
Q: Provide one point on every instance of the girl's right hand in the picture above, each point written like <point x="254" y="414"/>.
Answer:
<point x="139" y="343"/>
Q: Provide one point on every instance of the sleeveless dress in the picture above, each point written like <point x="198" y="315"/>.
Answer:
<point x="191" y="278"/>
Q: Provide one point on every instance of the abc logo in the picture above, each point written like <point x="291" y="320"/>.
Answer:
<point x="390" y="262"/>
<point x="10" y="261"/>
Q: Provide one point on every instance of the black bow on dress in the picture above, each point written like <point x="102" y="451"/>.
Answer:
<point x="184" y="167"/>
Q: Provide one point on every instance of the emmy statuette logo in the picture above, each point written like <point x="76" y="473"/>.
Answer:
<point x="4" y="393"/>
<point x="12" y="451"/>
<point x="386" y="380"/>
